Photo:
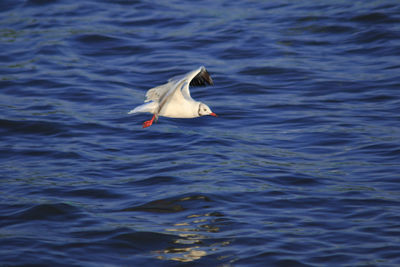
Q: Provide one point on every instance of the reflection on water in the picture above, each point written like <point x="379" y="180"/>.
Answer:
<point x="192" y="242"/>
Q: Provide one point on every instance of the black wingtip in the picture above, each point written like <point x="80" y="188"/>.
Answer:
<point x="203" y="78"/>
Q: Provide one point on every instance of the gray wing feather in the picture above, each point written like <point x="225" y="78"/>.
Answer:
<point x="156" y="93"/>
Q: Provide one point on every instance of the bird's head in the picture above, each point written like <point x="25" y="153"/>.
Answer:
<point x="205" y="110"/>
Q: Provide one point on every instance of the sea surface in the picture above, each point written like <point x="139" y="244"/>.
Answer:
<point x="300" y="168"/>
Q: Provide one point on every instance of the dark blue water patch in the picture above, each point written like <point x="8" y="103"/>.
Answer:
<point x="239" y="53"/>
<point x="78" y="94"/>
<point x="338" y="89"/>
<point x="25" y="88"/>
<point x="141" y="241"/>
<point x="376" y="36"/>
<point x="9" y="5"/>
<point x="38" y="2"/>
<point x="382" y="97"/>
<point x="33" y="127"/>
<point x="381" y="149"/>
<point x="28" y="253"/>
<point x="161" y="21"/>
<point x="156" y="180"/>
<point x="311" y="19"/>
<point x="105" y="45"/>
<point x="325" y="29"/>
<point x="302" y="122"/>
<point x="124" y="3"/>
<point x="374" y="18"/>
<point x="41" y="153"/>
<point x="50" y="49"/>
<point x="96" y="39"/>
<point x="130" y="244"/>
<point x="172" y="205"/>
<point x="327" y="139"/>
<point x="378" y="50"/>
<point x="296" y="180"/>
<point x="209" y="141"/>
<point x="361" y="202"/>
<point x="270" y="258"/>
<point x="261" y="71"/>
<point x="90" y="193"/>
<point x="44" y="83"/>
<point x="307" y="43"/>
<point x="44" y="212"/>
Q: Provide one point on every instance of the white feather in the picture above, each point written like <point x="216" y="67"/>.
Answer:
<point x="151" y="107"/>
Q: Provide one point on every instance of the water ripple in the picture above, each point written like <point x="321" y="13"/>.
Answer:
<point x="300" y="168"/>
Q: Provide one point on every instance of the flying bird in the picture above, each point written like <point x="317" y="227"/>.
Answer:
<point x="173" y="99"/>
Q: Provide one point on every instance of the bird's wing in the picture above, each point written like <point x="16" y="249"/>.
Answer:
<point x="198" y="77"/>
<point x="156" y="93"/>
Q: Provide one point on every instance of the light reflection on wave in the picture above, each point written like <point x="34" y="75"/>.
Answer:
<point x="192" y="243"/>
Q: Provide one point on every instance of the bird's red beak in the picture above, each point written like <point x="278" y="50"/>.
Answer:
<point x="213" y="114"/>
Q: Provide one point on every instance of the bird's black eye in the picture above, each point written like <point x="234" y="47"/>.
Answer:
<point x="204" y="109"/>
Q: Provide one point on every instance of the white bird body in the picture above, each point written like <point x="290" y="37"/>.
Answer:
<point x="173" y="98"/>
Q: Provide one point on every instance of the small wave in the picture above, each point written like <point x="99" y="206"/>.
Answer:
<point x="373" y="18"/>
<point x="172" y="205"/>
<point x="27" y="127"/>
<point x="47" y="212"/>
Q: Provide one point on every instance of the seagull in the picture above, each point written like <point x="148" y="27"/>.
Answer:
<point x="173" y="99"/>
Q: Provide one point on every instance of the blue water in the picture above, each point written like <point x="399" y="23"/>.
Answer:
<point x="301" y="168"/>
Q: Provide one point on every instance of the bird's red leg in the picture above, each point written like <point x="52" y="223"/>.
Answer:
<point x="149" y="122"/>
